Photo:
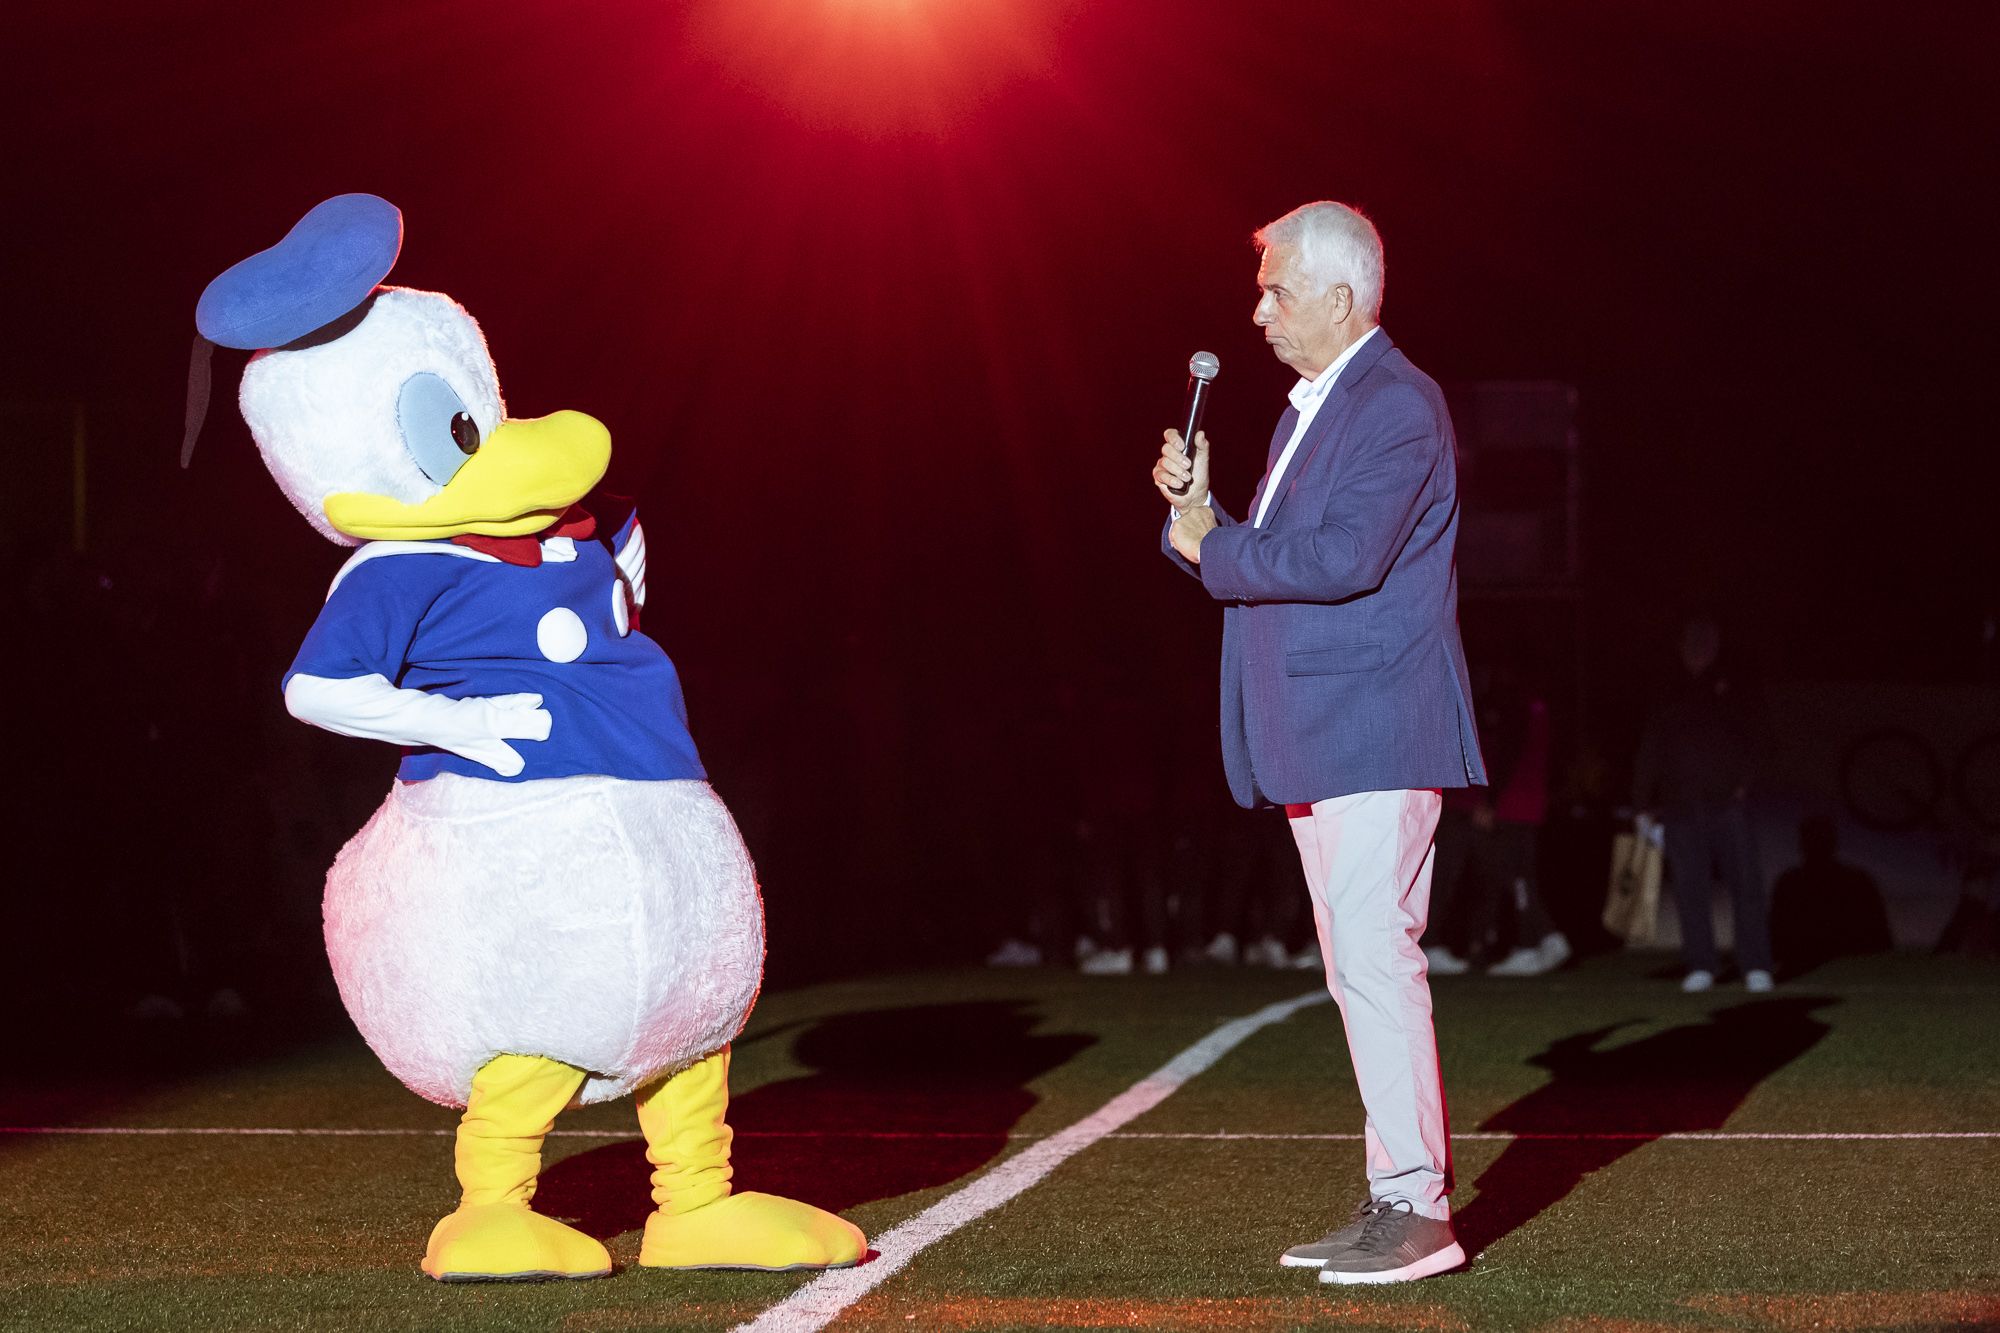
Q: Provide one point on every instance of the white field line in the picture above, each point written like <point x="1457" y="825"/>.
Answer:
<point x="820" y="1301"/>
<point x="1215" y="1136"/>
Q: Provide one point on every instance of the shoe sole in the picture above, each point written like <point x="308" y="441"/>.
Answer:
<point x="748" y="1268"/>
<point x="1293" y="1261"/>
<point x="1444" y="1260"/>
<point x="548" y="1275"/>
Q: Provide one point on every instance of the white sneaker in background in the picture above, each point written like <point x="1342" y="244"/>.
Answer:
<point x="1445" y="963"/>
<point x="1547" y="956"/>
<point x="1221" y="949"/>
<point x="1155" y="961"/>
<point x="1758" y="980"/>
<point x="1308" y="959"/>
<point x="1267" y="952"/>
<point x="1015" y="953"/>
<point x="1697" y="981"/>
<point x="1519" y="963"/>
<point x="1107" y="963"/>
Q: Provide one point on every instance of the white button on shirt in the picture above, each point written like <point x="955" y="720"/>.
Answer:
<point x="1307" y="396"/>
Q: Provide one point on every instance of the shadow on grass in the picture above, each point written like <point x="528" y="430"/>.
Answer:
<point x="951" y="1078"/>
<point x="1686" y="1079"/>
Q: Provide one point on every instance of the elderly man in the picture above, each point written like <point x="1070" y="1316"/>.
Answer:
<point x="1344" y="691"/>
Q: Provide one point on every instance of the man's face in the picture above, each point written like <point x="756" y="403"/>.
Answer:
<point x="1306" y="325"/>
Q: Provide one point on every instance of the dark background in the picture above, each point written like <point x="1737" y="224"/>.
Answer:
<point x="885" y="303"/>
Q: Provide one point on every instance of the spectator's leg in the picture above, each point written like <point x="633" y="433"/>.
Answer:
<point x="1148" y="878"/>
<point x="1187" y="880"/>
<point x="1482" y="891"/>
<point x="1104" y="918"/>
<point x="1233" y="882"/>
<point x="1690" y="861"/>
<point x="1448" y="917"/>
<point x="1736" y="853"/>
<point x="1533" y="924"/>
<point x="1280" y="882"/>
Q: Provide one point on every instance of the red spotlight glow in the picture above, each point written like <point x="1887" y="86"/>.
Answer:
<point x="878" y="67"/>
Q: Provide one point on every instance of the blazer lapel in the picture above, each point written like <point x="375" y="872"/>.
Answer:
<point x="1323" y="421"/>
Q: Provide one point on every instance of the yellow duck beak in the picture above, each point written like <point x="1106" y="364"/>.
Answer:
<point x="518" y="483"/>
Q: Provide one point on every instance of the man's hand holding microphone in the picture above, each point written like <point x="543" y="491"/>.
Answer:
<point x="1183" y="483"/>
<point x="1183" y="476"/>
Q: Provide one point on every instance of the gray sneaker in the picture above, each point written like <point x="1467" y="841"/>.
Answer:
<point x="1394" y="1245"/>
<point x="1314" y="1253"/>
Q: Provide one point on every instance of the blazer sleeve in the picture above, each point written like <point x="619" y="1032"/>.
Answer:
<point x="1167" y="542"/>
<point x="1383" y="489"/>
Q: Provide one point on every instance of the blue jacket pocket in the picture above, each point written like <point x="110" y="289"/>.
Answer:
<point x="1334" y="661"/>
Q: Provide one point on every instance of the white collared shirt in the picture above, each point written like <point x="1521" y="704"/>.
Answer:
<point x="1307" y="396"/>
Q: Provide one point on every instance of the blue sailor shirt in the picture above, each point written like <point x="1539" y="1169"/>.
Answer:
<point x="440" y="618"/>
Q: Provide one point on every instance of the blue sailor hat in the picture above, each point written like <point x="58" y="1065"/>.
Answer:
<point x="324" y="269"/>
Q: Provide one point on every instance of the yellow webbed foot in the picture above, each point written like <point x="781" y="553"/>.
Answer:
<point x="701" y="1223"/>
<point x="752" y="1230"/>
<point x="508" y="1242"/>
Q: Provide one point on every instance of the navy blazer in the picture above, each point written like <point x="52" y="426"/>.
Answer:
<point x="1342" y="670"/>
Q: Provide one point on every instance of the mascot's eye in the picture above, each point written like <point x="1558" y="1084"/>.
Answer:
<point x="437" y="430"/>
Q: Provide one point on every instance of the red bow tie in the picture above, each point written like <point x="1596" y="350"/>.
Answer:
<point x="574" y="521"/>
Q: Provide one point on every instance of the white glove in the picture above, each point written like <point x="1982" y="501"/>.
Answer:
<point x="370" y="707"/>
<point x="631" y="560"/>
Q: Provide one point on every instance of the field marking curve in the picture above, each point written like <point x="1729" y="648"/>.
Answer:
<point x="821" y="1301"/>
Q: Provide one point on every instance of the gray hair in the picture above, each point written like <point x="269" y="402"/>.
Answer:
<point x="1335" y="243"/>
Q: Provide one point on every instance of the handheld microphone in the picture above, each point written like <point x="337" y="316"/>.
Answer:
<point x="1202" y="370"/>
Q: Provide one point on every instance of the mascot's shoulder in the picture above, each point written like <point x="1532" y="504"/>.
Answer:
<point x="389" y="567"/>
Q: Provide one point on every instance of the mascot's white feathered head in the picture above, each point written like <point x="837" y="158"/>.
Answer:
<point x="391" y="407"/>
<point x="378" y="409"/>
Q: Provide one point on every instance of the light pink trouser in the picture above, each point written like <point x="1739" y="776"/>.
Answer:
<point x="1368" y="859"/>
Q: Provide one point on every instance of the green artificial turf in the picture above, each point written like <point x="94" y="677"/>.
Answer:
<point x="1150" y="1230"/>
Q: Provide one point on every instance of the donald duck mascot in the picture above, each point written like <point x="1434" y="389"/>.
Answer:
<point x="551" y="906"/>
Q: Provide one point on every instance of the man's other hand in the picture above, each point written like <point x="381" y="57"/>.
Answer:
<point x="1174" y="468"/>
<point x="1190" y="528"/>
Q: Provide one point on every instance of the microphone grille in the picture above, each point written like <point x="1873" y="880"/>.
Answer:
<point x="1204" y="366"/>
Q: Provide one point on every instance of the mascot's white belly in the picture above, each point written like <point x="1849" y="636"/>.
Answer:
<point x="609" y="924"/>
